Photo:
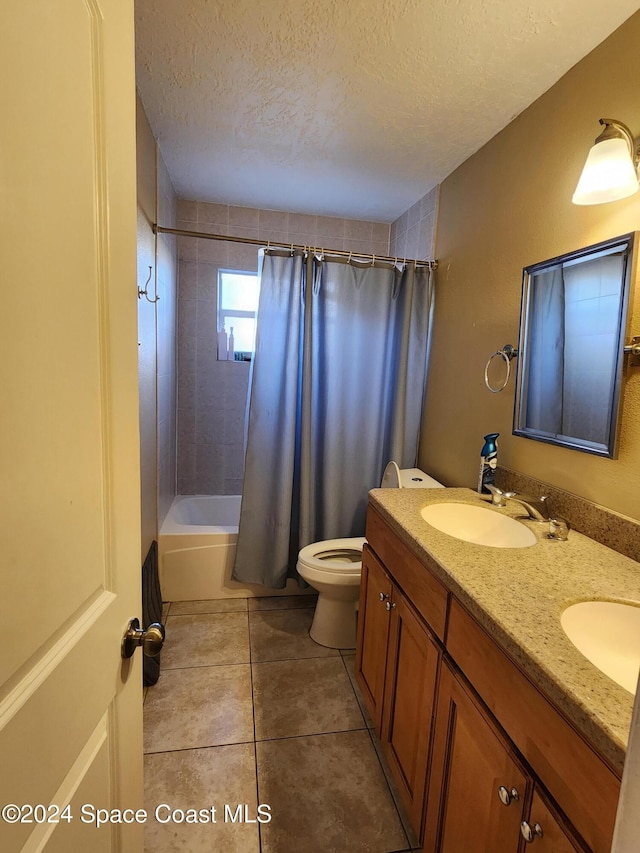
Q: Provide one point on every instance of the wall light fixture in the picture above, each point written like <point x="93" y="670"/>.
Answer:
<point x="611" y="170"/>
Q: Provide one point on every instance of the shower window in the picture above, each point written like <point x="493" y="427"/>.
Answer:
<point x="237" y="306"/>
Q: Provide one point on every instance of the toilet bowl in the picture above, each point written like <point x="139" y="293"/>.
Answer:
<point x="333" y="568"/>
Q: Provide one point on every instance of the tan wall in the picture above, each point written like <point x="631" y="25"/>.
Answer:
<point x="506" y="207"/>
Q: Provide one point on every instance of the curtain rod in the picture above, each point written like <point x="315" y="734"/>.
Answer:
<point x="160" y="229"/>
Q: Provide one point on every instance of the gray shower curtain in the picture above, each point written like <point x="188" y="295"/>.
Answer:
<point x="337" y="390"/>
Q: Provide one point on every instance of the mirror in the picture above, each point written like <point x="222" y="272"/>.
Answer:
<point x="572" y="325"/>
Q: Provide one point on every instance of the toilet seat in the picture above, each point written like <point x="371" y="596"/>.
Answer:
<point x="334" y="556"/>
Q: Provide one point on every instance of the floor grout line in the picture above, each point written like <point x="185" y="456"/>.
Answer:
<point x="343" y="654"/>
<point x="253" y="715"/>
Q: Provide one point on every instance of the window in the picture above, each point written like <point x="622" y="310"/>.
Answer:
<point x="237" y="306"/>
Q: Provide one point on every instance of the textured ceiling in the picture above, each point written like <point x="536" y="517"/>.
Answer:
<point x="346" y="107"/>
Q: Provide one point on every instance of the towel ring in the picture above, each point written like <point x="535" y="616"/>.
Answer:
<point x="507" y="353"/>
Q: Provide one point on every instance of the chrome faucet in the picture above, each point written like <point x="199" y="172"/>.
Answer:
<point x="537" y="509"/>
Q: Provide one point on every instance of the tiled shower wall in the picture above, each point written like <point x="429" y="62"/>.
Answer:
<point x="212" y="395"/>
<point x="413" y="234"/>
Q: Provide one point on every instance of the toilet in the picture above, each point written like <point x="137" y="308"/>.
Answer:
<point x="333" y="567"/>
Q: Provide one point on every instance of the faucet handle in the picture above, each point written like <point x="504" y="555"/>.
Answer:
<point x="498" y="497"/>
<point x="559" y="529"/>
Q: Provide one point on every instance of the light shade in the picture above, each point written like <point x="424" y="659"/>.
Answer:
<point x="609" y="173"/>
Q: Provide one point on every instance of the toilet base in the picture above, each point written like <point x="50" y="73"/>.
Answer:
<point x="334" y="623"/>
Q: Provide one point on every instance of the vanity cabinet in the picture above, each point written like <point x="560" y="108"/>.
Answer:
<point x="480" y="756"/>
<point x="397" y="662"/>
<point x="480" y="794"/>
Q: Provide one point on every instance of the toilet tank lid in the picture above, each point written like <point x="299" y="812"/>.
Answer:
<point x="407" y="478"/>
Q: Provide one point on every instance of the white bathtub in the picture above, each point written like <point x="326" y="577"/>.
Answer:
<point x="196" y="549"/>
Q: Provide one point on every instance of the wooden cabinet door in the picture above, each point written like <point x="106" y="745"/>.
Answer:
<point x="554" y="838"/>
<point x="471" y="762"/>
<point x="373" y="632"/>
<point x="412" y="667"/>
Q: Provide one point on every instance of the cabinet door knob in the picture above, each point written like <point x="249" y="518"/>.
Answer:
<point x="530" y="834"/>
<point x="506" y="796"/>
<point x="383" y="596"/>
<point x="390" y="605"/>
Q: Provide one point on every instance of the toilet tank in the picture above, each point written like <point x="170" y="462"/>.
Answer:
<point x="395" y="477"/>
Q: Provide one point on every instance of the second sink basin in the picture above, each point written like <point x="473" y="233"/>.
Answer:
<point x="479" y="525"/>
<point x="608" y="634"/>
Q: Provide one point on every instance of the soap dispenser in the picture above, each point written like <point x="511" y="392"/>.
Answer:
<point x="488" y="462"/>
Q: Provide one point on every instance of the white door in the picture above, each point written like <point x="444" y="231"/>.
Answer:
<point x="70" y="708"/>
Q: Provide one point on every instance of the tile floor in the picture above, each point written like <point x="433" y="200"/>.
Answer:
<point x="249" y="710"/>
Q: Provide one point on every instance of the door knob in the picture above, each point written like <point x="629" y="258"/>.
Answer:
<point x="506" y="796"/>
<point x="390" y="605"/>
<point x="530" y="833"/>
<point x="383" y="596"/>
<point x="151" y="640"/>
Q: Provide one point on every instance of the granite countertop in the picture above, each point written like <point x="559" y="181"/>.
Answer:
<point x="518" y="594"/>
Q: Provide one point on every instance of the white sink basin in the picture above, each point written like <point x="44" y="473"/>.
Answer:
<point x="479" y="525"/>
<point x="608" y="634"/>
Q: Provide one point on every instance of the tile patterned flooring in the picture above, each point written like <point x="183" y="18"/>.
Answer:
<point x="249" y="710"/>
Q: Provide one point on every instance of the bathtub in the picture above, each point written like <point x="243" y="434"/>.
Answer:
<point x="196" y="549"/>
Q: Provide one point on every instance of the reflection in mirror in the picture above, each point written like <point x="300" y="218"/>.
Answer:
<point x="572" y="325"/>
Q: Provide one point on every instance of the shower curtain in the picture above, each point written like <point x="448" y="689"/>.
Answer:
<point x="336" y="391"/>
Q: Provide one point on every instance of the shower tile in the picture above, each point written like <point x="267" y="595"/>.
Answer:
<point x="247" y="217"/>
<point x="412" y="241"/>
<point x="188" y="247"/>
<point x="429" y="202"/>
<point x="426" y="236"/>
<point x="349" y="662"/>
<point x="234" y="418"/>
<point x="244" y="256"/>
<point x="208" y="472"/>
<point x="276" y="238"/>
<point x="282" y="602"/>
<point x="187" y="279"/>
<point x="186" y="485"/>
<point x="356" y="229"/>
<point x="207" y="282"/>
<point x="232" y="487"/>
<point x="273" y="220"/>
<point x="340" y="791"/>
<point x="187" y="315"/>
<point x="187" y="210"/>
<point x="200" y="778"/>
<point x="186" y="355"/>
<point x="201" y="706"/>
<point x="221" y="605"/>
<point x="213" y="252"/>
<point x="379" y="247"/>
<point x="303" y="223"/>
<point x="303" y="697"/>
<point x="186" y="460"/>
<point x="414" y="213"/>
<point x="213" y="214"/>
<point x="232" y="460"/>
<point x="330" y="226"/>
<point x="206" y="640"/>
<point x="210" y="424"/>
<point x="284" y="635"/>
<point x="186" y="389"/>
<point x="380" y="232"/>
<point x="186" y="426"/>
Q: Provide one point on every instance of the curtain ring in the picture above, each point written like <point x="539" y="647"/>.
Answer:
<point x="292" y="250"/>
<point x="349" y="258"/>
<point x="268" y="246"/>
<point x="507" y="361"/>
<point x="373" y="260"/>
